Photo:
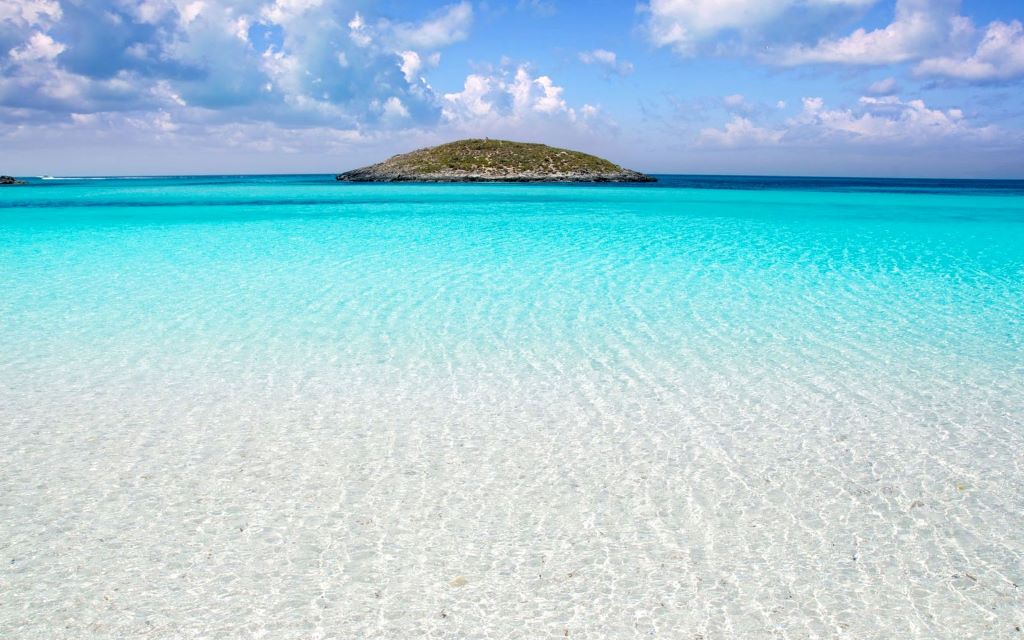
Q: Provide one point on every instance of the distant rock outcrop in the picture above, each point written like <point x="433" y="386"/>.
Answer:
<point x="6" y="180"/>
<point x="493" y="161"/>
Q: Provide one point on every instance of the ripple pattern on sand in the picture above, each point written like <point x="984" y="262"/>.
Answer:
<point x="466" y="412"/>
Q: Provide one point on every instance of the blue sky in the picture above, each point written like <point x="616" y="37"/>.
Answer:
<point x="804" y="87"/>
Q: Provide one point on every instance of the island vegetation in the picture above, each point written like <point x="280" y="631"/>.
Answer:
<point x="486" y="160"/>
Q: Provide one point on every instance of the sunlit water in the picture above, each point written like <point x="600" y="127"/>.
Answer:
<point x="288" y="408"/>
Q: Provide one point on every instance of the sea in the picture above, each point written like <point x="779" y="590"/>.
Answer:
<point x="704" y="408"/>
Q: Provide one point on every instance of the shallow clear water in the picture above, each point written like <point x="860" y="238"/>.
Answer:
<point x="709" y="408"/>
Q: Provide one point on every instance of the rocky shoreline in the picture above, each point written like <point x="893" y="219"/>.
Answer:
<point x="8" y="180"/>
<point x="485" y="160"/>
<point x="371" y="174"/>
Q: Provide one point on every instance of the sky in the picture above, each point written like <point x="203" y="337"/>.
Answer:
<point x="900" y="88"/>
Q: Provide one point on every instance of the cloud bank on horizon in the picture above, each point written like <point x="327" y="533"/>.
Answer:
<point x="880" y="87"/>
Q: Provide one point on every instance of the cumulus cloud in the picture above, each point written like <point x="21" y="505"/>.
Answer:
<point x="515" y="101"/>
<point x="918" y="27"/>
<point x="873" y="121"/>
<point x="506" y="95"/>
<point x="931" y="33"/>
<point x="889" y="119"/>
<point x="26" y="13"/>
<point x="608" y="60"/>
<point x="39" y="47"/>
<point x="739" y="132"/>
<point x="999" y="56"/>
<point x="287" y="76"/>
<point x="412" y="63"/>
<point x="684" y="25"/>
<point x="288" y="61"/>
<point x="393" y="108"/>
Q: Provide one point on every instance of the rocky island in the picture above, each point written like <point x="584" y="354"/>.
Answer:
<point x="6" y="180"/>
<point x="488" y="160"/>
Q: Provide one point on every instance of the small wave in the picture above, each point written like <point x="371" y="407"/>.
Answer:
<point x="68" y="178"/>
<point x="97" y="178"/>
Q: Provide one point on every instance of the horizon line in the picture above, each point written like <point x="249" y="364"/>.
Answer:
<point x="652" y="173"/>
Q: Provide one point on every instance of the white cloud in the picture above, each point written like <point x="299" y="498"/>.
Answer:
<point x="196" y="141"/>
<point x="549" y="99"/>
<point x="164" y="94"/>
<point x="264" y="76"/>
<point x="317" y="76"/>
<point x="873" y="121"/>
<point x="191" y="11"/>
<point x="84" y="118"/>
<point x="887" y="119"/>
<point x="36" y="84"/>
<point x="739" y="132"/>
<point x="999" y="56"/>
<point x="39" y="47"/>
<point x="608" y="60"/>
<point x="358" y="32"/>
<point x="918" y="27"/>
<point x="813" y="105"/>
<point x="931" y="32"/>
<point x="152" y="11"/>
<point x="473" y="100"/>
<point x="162" y="121"/>
<point x="29" y="12"/>
<point x="685" y="24"/>
<point x="508" y="97"/>
<point x="448" y="27"/>
<point x="294" y="62"/>
<point x="891" y="119"/>
<point x="739" y="104"/>
<point x="411" y="63"/>
<point x="284" y="12"/>
<point x="884" y="87"/>
<point x="239" y="28"/>
<point x="393" y="108"/>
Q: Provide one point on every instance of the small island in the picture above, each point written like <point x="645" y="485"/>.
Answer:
<point x="485" y="160"/>
<point x="8" y="180"/>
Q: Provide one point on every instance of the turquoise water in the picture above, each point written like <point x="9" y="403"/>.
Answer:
<point x="718" y="408"/>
